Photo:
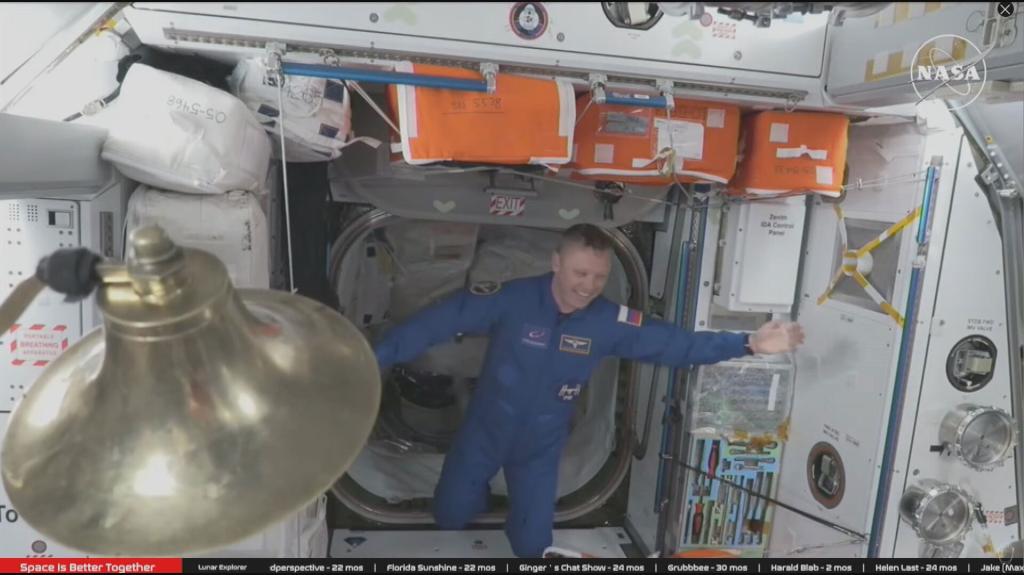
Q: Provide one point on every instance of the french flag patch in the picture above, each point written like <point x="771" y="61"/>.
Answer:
<point x="630" y="316"/>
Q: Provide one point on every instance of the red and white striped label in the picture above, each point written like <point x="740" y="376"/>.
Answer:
<point x="36" y="345"/>
<point x="502" y="205"/>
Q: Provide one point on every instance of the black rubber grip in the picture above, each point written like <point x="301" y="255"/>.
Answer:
<point x="71" y="272"/>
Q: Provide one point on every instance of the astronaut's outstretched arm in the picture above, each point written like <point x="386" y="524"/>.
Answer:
<point x="657" y="341"/>
<point x="461" y="312"/>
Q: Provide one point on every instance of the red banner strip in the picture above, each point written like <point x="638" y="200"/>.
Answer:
<point x="89" y="565"/>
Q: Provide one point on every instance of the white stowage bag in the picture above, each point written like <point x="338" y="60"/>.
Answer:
<point x="91" y="69"/>
<point x="179" y="134"/>
<point x="364" y="284"/>
<point x="317" y="112"/>
<point x="231" y="226"/>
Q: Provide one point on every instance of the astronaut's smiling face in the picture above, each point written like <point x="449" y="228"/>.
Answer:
<point x="580" y="276"/>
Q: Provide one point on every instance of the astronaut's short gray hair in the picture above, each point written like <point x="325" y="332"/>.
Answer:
<point x="585" y="235"/>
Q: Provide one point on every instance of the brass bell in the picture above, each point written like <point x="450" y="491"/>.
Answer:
<point x="198" y="416"/>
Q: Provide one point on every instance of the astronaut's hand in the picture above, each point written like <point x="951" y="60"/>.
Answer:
<point x="776" y="337"/>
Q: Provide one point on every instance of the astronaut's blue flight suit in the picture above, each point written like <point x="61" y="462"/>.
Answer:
<point x="537" y="364"/>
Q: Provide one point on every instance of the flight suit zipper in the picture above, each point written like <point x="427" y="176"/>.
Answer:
<point x="536" y="404"/>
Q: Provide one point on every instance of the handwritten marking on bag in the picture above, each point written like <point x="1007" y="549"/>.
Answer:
<point x="196" y="109"/>
<point x="305" y="93"/>
<point x="475" y="105"/>
<point x="793" y="171"/>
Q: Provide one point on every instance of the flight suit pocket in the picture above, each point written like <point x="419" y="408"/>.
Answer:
<point x="499" y="394"/>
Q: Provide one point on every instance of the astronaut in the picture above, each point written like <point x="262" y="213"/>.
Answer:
<point x="547" y="334"/>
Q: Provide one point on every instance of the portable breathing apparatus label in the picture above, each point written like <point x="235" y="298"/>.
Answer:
<point x="36" y="345"/>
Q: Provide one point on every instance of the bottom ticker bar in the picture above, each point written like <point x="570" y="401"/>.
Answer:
<point x="533" y="567"/>
<point x="607" y="566"/>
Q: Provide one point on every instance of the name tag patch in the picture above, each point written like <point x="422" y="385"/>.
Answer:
<point x="574" y="344"/>
<point x="535" y="336"/>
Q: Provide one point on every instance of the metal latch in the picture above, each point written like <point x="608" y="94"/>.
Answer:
<point x="490" y="73"/>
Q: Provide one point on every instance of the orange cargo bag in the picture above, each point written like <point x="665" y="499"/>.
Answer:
<point x="791" y="153"/>
<point x="634" y="144"/>
<point x="525" y="121"/>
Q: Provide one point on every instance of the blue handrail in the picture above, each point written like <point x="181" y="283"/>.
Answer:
<point x="382" y="77"/>
<point x="902" y="368"/>
<point x="679" y="318"/>
<point x="659" y="102"/>
<point x="922" y="226"/>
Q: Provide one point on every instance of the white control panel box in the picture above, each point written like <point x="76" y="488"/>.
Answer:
<point x="761" y="255"/>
